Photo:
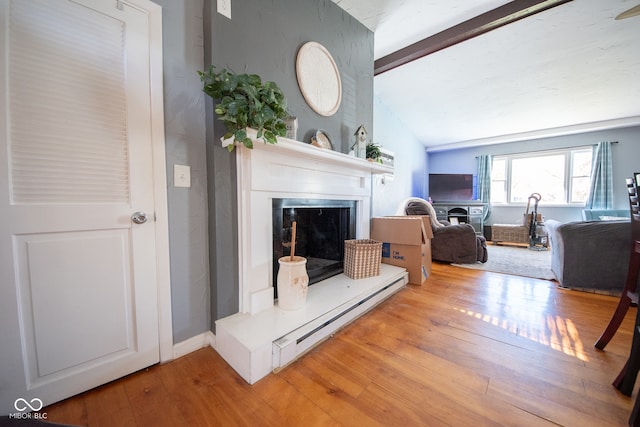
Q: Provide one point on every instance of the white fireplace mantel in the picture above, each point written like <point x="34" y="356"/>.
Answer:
<point x="290" y="169"/>
<point x="261" y="336"/>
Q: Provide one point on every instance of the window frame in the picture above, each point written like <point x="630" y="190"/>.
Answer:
<point x="569" y="161"/>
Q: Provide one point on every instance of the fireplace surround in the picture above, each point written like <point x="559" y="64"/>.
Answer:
<point x="322" y="227"/>
<point x="261" y="337"/>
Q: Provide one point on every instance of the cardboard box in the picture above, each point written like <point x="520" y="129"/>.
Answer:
<point x="406" y="242"/>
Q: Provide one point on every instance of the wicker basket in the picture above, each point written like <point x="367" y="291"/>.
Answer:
<point x="362" y="258"/>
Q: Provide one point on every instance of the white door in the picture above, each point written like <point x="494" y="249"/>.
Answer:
<point x="78" y="294"/>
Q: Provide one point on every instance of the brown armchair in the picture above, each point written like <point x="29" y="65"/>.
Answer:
<point x="455" y="243"/>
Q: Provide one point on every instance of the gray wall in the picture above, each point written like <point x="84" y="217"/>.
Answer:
<point x="185" y="145"/>
<point x="263" y="38"/>
<point x="625" y="157"/>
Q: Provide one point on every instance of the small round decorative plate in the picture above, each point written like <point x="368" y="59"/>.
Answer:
<point x="321" y="139"/>
<point x="319" y="78"/>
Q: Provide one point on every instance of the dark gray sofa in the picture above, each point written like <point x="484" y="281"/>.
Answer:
<point x="590" y="255"/>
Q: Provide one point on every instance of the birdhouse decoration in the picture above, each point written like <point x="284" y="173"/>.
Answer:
<point x="361" y="142"/>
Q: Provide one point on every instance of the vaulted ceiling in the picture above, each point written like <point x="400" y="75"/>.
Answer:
<point x="571" y="68"/>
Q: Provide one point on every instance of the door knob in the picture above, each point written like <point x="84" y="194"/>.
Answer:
<point x="139" y="217"/>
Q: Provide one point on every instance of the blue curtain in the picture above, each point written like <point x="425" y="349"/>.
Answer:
<point x="601" y="189"/>
<point x="484" y="182"/>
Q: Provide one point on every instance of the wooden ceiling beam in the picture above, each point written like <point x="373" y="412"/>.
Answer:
<point x="496" y="18"/>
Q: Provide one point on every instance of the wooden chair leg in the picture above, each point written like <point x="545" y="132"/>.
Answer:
<point x="617" y="383"/>
<point x="634" y="419"/>
<point x="614" y="323"/>
<point x="624" y="303"/>
<point x="627" y="377"/>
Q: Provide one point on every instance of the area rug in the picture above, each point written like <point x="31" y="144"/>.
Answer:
<point x="519" y="261"/>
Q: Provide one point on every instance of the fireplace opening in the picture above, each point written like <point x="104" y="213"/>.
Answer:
<point x="322" y="226"/>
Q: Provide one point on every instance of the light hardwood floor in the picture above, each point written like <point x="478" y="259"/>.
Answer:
<point x="469" y="348"/>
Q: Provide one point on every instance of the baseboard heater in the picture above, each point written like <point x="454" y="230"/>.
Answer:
<point x="293" y="345"/>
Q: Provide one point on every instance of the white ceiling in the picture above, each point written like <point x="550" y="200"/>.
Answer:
<point x="569" y="69"/>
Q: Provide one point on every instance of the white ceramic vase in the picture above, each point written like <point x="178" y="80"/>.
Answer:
<point x="292" y="283"/>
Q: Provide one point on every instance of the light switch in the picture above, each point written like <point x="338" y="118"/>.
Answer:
<point x="224" y="8"/>
<point x="181" y="176"/>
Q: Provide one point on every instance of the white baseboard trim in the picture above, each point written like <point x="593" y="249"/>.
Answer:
<point x="211" y="339"/>
<point x="194" y="343"/>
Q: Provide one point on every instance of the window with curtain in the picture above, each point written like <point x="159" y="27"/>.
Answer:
<point x="562" y="177"/>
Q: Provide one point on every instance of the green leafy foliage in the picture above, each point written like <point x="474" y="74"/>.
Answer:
<point x="373" y="152"/>
<point x="244" y="101"/>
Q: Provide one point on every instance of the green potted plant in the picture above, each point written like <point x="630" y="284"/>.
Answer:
<point x="373" y="152"/>
<point x="243" y="100"/>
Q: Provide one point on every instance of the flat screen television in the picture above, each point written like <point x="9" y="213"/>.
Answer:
<point x="446" y="187"/>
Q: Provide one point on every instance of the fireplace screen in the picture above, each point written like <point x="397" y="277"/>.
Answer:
<point x="322" y="226"/>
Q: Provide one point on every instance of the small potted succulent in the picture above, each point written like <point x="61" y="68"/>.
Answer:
<point x="243" y="101"/>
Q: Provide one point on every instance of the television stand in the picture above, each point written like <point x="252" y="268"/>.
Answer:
<point x="462" y="212"/>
